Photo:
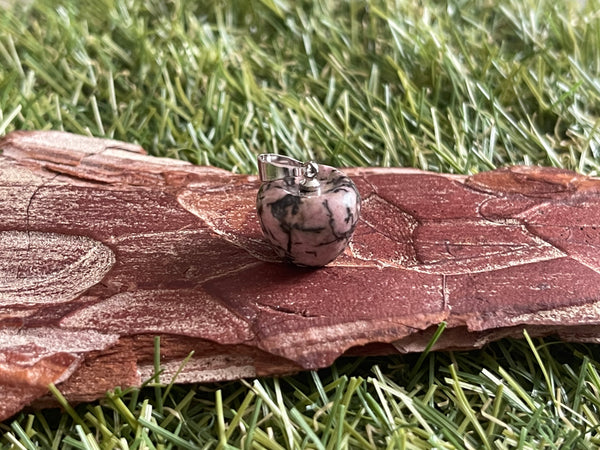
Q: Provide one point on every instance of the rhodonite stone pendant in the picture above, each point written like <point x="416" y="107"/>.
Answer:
<point x="307" y="211"/>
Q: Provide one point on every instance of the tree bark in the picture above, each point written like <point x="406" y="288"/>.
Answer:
<point x="103" y="248"/>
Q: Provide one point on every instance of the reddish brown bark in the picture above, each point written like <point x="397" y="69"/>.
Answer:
<point x="102" y="248"/>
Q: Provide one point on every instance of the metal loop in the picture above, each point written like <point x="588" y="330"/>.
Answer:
<point x="311" y="169"/>
<point x="276" y="167"/>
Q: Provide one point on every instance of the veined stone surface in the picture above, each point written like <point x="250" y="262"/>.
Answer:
<point x="309" y="227"/>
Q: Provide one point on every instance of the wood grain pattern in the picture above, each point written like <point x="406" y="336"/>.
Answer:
<point x="102" y="248"/>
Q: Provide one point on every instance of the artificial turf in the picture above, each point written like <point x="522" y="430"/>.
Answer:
<point x="453" y="86"/>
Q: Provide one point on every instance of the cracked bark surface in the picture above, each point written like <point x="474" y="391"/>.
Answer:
<point x="102" y="248"/>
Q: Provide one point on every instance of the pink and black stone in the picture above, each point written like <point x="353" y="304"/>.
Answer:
<point x="309" y="221"/>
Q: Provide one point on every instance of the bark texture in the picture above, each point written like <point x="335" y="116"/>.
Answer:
<point x="102" y="248"/>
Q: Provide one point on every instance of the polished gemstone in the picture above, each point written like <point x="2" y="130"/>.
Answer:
<point x="309" y="226"/>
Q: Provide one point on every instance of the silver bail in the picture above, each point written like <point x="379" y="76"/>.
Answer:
<point x="277" y="167"/>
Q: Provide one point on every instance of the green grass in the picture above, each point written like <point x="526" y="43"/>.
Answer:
<point x="454" y="86"/>
<point x="499" y="397"/>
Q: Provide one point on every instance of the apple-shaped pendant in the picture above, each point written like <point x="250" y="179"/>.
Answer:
<point x="308" y="211"/>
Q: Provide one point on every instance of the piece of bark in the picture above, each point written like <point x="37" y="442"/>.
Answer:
<point x="102" y="248"/>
